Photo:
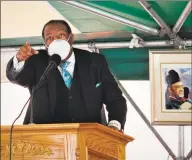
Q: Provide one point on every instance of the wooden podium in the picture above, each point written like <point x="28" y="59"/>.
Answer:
<point x="71" y="141"/>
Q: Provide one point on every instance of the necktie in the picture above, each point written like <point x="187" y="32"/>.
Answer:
<point x="65" y="74"/>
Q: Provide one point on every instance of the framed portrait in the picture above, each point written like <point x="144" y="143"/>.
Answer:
<point x="171" y="86"/>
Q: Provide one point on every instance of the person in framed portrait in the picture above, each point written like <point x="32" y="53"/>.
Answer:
<point x="175" y="98"/>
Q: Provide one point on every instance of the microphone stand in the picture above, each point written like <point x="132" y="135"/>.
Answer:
<point x="37" y="87"/>
<point x="11" y="130"/>
<point x="31" y="114"/>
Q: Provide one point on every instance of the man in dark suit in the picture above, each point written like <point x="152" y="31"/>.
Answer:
<point x="60" y="100"/>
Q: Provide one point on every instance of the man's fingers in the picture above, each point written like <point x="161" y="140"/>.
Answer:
<point x="22" y="56"/>
<point x="28" y="54"/>
<point x="25" y="52"/>
<point x="29" y="48"/>
<point x="33" y="51"/>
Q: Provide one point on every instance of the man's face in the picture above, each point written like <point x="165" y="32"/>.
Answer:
<point x="56" y="31"/>
<point x="178" y="89"/>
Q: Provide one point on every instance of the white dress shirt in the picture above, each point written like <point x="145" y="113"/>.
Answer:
<point x="70" y="68"/>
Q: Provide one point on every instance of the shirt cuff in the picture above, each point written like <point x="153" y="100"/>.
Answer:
<point x="17" y="65"/>
<point x="115" y="123"/>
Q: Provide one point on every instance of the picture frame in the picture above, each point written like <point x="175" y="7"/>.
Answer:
<point x="171" y="87"/>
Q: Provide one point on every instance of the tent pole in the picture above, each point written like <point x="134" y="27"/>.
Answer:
<point x="105" y="45"/>
<point x="183" y="17"/>
<point x="145" y="119"/>
<point x="153" y="14"/>
<point x="165" y="29"/>
<point x="181" y="144"/>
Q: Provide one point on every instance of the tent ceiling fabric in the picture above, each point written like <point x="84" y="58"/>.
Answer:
<point x="128" y="64"/>
<point x="85" y="21"/>
<point x="28" y="17"/>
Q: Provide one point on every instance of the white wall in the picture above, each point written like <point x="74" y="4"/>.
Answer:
<point x="144" y="147"/>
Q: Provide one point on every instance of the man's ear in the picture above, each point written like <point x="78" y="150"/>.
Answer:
<point x="71" y="40"/>
<point x="46" y="48"/>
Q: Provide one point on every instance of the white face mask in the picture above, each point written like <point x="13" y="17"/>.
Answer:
<point x="60" y="47"/>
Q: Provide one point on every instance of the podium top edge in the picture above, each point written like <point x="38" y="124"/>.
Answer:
<point x="66" y="127"/>
<point x="59" y="126"/>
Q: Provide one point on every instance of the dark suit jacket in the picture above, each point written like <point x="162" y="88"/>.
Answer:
<point x="92" y="68"/>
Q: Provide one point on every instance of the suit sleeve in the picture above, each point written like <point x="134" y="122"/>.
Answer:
<point x="25" y="77"/>
<point x="113" y="98"/>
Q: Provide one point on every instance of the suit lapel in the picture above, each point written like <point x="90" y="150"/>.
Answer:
<point x="82" y="61"/>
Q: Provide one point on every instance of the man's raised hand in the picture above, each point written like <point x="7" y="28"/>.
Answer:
<point x="25" y="52"/>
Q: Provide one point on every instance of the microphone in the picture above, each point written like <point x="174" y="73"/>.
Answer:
<point x="54" y="61"/>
